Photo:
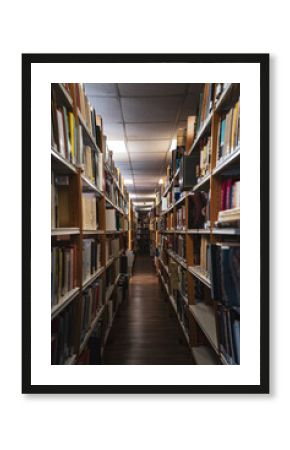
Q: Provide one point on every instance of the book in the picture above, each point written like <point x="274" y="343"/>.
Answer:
<point x="63" y="270"/>
<point x="111" y="219"/>
<point x="89" y="211"/>
<point x="225" y="273"/>
<point x="91" y="257"/>
<point x="229" y="132"/>
<point x="197" y="210"/>
<point x="62" y="337"/>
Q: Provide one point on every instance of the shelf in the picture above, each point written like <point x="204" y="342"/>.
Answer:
<point x="185" y="298"/>
<point x="111" y="260"/>
<point x="198" y="231"/>
<point x="164" y="265"/>
<point x="177" y="258"/>
<point x="226" y="231"/>
<point x="201" y="274"/>
<point x="61" y="165"/>
<point x="64" y="301"/>
<point x="111" y="289"/>
<point x="64" y="231"/>
<point x="93" y="277"/>
<point x="205" y="317"/>
<point x="115" y="231"/>
<point x="224" y="164"/>
<point x="202" y="131"/>
<point x="203" y="356"/>
<point x="225" y="100"/>
<point x="114" y="180"/>
<point x="71" y="360"/>
<point x="113" y="205"/>
<point x="202" y="183"/>
<point x="170" y="184"/>
<point x="93" y="232"/>
<point x="90" y="186"/>
<point x="91" y="329"/>
<point x="180" y="200"/>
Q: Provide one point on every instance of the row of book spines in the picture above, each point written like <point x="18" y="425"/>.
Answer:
<point x="90" y="304"/>
<point x="93" y="121"/>
<point x="112" y="248"/>
<point x="205" y="104"/>
<point x="93" y="166"/>
<point x="181" y="218"/>
<point x="225" y="274"/>
<point x="229" y="131"/>
<point x="229" y="334"/>
<point x="205" y="158"/>
<point x="112" y="273"/>
<point x="62" y="336"/>
<point x="63" y="271"/>
<point x="230" y="194"/>
<point x="66" y="134"/>
<point x="91" y="257"/>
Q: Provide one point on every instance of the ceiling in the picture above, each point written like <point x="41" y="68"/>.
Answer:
<point x="145" y="117"/>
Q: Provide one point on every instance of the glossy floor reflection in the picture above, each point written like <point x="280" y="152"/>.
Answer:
<point x="145" y="329"/>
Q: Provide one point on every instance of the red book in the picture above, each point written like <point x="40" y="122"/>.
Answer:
<point x="228" y="193"/>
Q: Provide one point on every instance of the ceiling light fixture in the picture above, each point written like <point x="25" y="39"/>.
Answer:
<point x="142" y="196"/>
<point x="128" y="181"/>
<point x="173" y="144"/>
<point x="117" y="147"/>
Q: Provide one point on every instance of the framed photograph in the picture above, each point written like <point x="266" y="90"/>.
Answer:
<point x="145" y="224"/>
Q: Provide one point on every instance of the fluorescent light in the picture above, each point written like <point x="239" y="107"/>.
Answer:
<point x="142" y="196"/>
<point x="117" y="146"/>
<point x="143" y="203"/>
<point x="173" y="144"/>
<point x="128" y="181"/>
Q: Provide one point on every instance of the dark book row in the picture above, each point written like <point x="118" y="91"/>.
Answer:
<point x="63" y="270"/>
<point x="91" y="301"/>
<point x="91" y="257"/>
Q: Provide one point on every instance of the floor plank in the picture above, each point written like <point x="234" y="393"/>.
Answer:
<point x="145" y="329"/>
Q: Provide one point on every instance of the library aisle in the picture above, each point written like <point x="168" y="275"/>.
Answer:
<point x="145" y="193"/>
<point x="145" y="330"/>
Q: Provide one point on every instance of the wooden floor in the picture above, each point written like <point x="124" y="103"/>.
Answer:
<point x="145" y="329"/>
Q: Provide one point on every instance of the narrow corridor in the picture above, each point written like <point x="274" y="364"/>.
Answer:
<point x="146" y="330"/>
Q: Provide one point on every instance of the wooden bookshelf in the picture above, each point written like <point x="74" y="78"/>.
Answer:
<point x="70" y="181"/>
<point x="181" y="243"/>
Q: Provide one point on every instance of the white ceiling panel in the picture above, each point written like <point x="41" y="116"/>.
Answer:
<point x="102" y="89"/>
<point x="151" y="89"/>
<point x="121" y="157"/>
<point x="114" y="131"/>
<point x="149" y="130"/>
<point x="148" y="146"/>
<point x="161" y="109"/>
<point x="108" y="108"/>
<point x="148" y="156"/>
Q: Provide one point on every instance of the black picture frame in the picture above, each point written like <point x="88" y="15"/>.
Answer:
<point x="263" y="61"/>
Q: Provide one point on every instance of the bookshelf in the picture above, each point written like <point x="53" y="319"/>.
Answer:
<point x="197" y="219"/>
<point x="89" y="231"/>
